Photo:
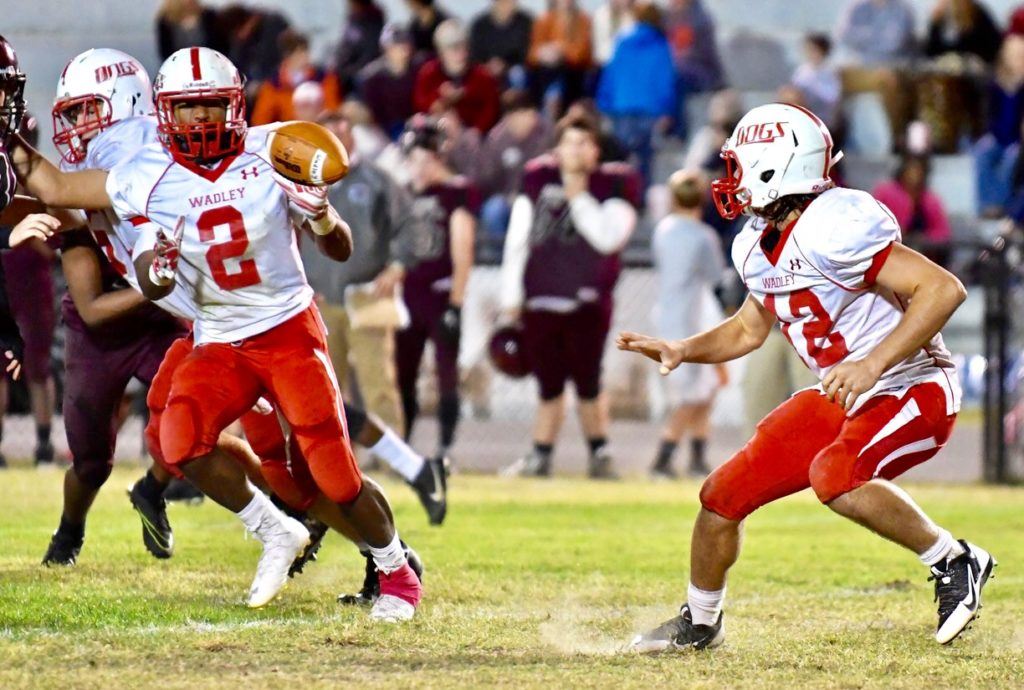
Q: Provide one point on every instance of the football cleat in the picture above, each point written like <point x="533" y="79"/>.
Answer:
<point x="958" y="588"/>
<point x="431" y="486"/>
<point x="3" y="462"/>
<point x="400" y="593"/>
<point x="184" y="491"/>
<point x="157" y="535"/>
<point x="45" y="455"/>
<point x="368" y="595"/>
<point x="317" y="530"/>
<point x="600" y="466"/>
<point x="678" y="634"/>
<point x="63" y="549"/>
<point x="533" y="464"/>
<point x="282" y="542"/>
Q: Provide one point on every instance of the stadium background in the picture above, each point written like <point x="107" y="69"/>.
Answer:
<point x="759" y="43"/>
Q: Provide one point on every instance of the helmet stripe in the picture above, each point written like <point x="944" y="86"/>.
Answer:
<point x="197" y="74"/>
<point x="824" y="133"/>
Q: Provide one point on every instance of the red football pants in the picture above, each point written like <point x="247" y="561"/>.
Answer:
<point x="217" y="383"/>
<point x="809" y="442"/>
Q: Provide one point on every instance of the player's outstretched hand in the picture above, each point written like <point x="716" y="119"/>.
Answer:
<point x="665" y="352"/>
<point x="39" y="226"/>
<point x="848" y="380"/>
<point x="166" y="253"/>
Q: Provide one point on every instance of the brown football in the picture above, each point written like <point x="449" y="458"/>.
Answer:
<point x="308" y="153"/>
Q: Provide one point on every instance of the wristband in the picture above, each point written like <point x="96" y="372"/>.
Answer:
<point x="157" y="279"/>
<point x="324" y="225"/>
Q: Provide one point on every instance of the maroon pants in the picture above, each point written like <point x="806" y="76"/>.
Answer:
<point x="563" y="347"/>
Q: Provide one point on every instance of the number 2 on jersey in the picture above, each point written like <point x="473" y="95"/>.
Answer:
<point x="815" y="329"/>
<point x="247" y="273"/>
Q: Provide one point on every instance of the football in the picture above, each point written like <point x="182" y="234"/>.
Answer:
<point x="308" y="153"/>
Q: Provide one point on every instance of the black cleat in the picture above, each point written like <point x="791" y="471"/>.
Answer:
<point x="371" y="583"/>
<point x="600" y="466"/>
<point x="663" y="471"/>
<point x="184" y="491"/>
<point x="958" y="585"/>
<point x="157" y="535"/>
<point x="44" y="456"/>
<point x="3" y="462"/>
<point x="63" y="549"/>
<point x="678" y="634"/>
<point x="317" y="530"/>
<point x="431" y="486"/>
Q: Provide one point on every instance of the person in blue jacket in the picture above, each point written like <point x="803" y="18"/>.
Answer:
<point x="637" y="88"/>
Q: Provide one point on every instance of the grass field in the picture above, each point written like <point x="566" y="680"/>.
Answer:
<point x="530" y="584"/>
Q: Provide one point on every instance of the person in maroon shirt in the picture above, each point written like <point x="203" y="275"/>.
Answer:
<point x="440" y="233"/>
<point x="386" y="84"/>
<point x="451" y="82"/>
<point x="560" y="266"/>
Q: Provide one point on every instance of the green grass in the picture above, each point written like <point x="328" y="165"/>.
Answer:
<point x="530" y="584"/>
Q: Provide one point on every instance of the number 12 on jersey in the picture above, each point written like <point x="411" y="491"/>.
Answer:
<point x="825" y="346"/>
<point x="234" y="248"/>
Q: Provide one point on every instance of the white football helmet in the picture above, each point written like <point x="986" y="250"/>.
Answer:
<point x="96" y="89"/>
<point x="776" y="150"/>
<point x="197" y="76"/>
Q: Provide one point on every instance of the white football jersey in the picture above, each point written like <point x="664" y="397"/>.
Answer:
<point x="819" y="280"/>
<point x="240" y="259"/>
<point x="112" y="145"/>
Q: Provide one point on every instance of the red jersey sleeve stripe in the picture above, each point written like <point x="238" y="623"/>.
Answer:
<point x="136" y="221"/>
<point x="871" y="275"/>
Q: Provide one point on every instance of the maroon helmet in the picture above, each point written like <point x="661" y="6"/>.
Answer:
<point x="12" y="85"/>
<point x="507" y="352"/>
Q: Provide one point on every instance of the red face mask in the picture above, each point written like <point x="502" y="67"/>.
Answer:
<point x="730" y="199"/>
<point x="202" y="142"/>
<point x="70" y="131"/>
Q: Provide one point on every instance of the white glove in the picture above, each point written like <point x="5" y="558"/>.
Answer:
<point x="309" y="203"/>
<point x="167" y="252"/>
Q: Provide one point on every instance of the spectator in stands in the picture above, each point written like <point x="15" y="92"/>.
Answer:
<point x="521" y="135"/>
<point x="916" y="208"/>
<point x="386" y="84"/>
<point x="637" y="89"/>
<point x="500" y="40"/>
<point x="274" y="99"/>
<point x="611" y="149"/>
<point x="724" y="110"/>
<point x="691" y="34"/>
<point x="996" y="153"/>
<point x="426" y="17"/>
<point x="252" y="43"/>
<point x="308" y="101"/>
<point x="360" y="41"/>
<point x="376" y="209"/>
<point x="964" y="27"/>
<point x="688" y="258"/>
<point x="186" y="23"/>
<point x="611" y="20"/>
<point x="560" y="55"/>
<point x="451" y="83"/>
<point x="818" y="80"/>
<point x="878" y="36"/>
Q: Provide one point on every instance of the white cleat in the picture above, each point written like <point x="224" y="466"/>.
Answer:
<point x="391" y="609"/>
<point x="282" y="542"/>
<point x="958" y="590"/>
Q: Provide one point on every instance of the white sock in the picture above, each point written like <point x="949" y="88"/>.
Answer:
<point x="397" y="453"/>
<point x="259" y="508"/>
<point x="705" y="606"/>
<point x="944" y="548"/>
<point x="391" y="557"/>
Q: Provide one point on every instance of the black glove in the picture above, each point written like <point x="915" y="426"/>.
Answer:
<point x="450" y="326"/>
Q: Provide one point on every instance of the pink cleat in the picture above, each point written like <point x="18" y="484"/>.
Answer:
<point x="400" y="594"/>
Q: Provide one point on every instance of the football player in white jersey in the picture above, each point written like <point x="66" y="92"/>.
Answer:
<point x="864" y="313"/>
<point x="257" y="332"/>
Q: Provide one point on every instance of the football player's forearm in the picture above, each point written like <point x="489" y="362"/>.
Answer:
<point x="723" y="343"/>
<point x="110" y="306"/>
<point x="150" y="290"/>
<point x="929" y="309"/>
<point x="85" y="189"/>
<point x="336" y="244"/>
